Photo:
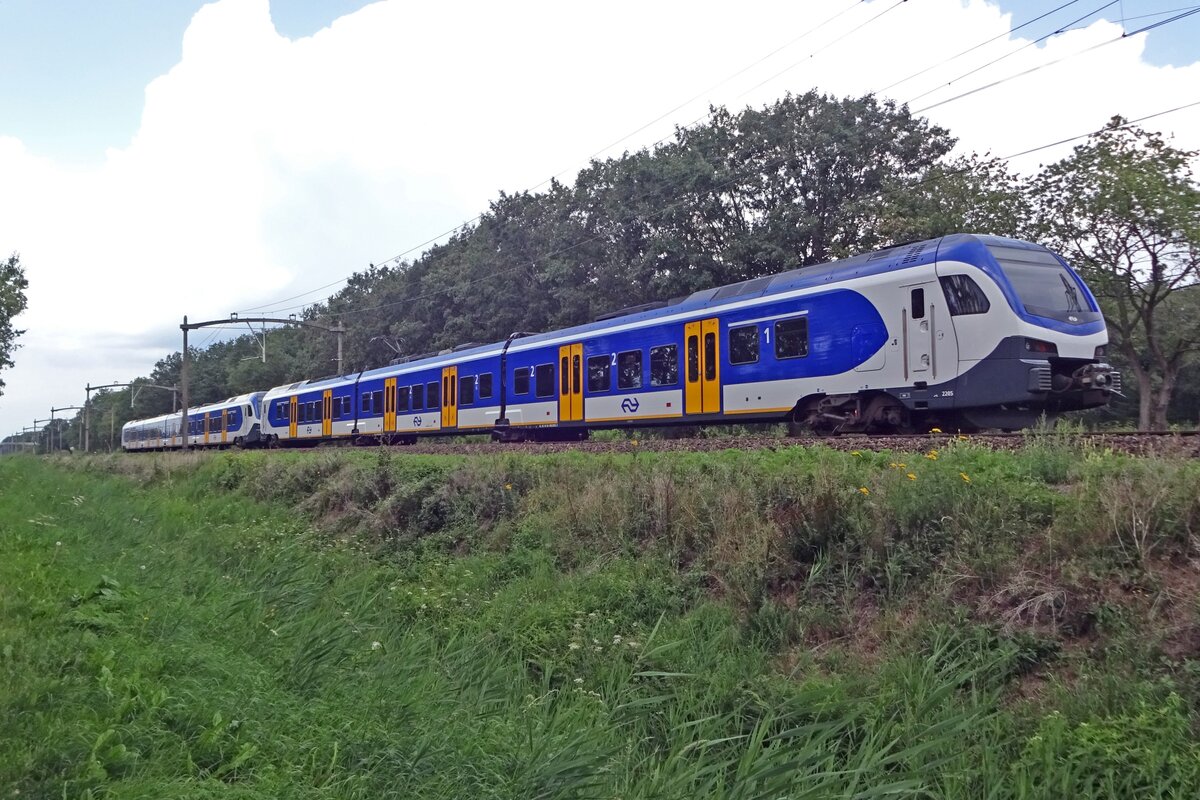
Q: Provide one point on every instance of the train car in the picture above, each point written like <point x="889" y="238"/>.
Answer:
<point x="962" y="332"/>
<point x="236" y="421"/>
<point x="157" y="433"/>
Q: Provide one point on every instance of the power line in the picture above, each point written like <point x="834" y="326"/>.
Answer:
<point x="476" y="218"/>
<point x="1057" y="60"/>
<point x="1023" y="47"/>
<point x="972" y="49"/>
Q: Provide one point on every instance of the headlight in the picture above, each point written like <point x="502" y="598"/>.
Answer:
<point x="1101" y="352"/>
<point x="1038" y="346"/>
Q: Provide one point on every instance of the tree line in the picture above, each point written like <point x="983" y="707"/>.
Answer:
<point x="801" y="181"/>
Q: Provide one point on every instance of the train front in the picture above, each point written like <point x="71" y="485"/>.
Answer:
<point x="1031" y="338"/>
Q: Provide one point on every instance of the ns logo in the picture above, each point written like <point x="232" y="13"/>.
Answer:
<point x="630" y="405"/>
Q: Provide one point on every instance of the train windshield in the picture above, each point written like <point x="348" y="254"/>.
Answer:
<point x="1046" y="288"/>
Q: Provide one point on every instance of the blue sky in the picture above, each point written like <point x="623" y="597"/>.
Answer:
<point x="73" y="72"/>
<point x="289" y="143"/>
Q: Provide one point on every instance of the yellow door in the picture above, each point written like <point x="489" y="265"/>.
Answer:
<point x="206" y="428"/>
<point x="570" y="383"/>
<point x="389" y="404"/>
<point x="327" y="413"/>
<point x="293" y="417"/>
<point x="450" y="397"/>
<point x="225" y="426"/>
<point x="702" y="367"/>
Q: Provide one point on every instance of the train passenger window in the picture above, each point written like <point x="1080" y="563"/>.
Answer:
<point x="664" y="365"/>
<point x="466" y="389"/>
<point x="710" y="356"/>
<point x="599" y="373"/>
<point x="629" y="370"/>
<point x="402" y="399"/>
<point x="366" y="403"/>
<point x="791" y="338"/>
<point x="544" y="380"/>
<point x="521" y="380"/>
<point x="433" y="396"/>
<point x="453" y="394"/>
<point x="347" y="407"/>
<point x="963" y="295"/>
<point x="418" y="397"/>
<point x="693" y="359"/>
<point x="918" y="303"/>
<point x="743" y="345"/>
<point x="564" y="375"/>
<point x="377" y="403"/>
<point x="484" y="382"/>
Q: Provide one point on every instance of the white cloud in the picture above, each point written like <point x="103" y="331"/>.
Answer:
<point x="264" y="167"/>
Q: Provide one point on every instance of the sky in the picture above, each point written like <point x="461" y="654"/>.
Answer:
<point x="160" y="158"/>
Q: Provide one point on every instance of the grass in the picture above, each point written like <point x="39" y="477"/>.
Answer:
<point x="797" y="623"/>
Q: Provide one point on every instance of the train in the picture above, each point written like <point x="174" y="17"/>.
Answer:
<point x="963" y="332"/>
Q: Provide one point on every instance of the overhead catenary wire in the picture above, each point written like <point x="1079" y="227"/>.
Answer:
<point x="477" y="217"/>
<point x="1046" y="64"/>
<point x="973" y="48"/>
<point x="1069" y="26"/>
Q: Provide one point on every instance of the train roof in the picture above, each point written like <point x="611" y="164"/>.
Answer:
<point x="961" y="246"/>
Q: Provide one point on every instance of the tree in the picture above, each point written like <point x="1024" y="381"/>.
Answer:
<point x="1124" y="207"/>
<point x="12" y="303"/>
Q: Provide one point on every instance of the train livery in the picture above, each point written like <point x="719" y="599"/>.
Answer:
<point x="962" y="332"/>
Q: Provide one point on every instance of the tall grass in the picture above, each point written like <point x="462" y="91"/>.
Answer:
<point x="659" y="626"/>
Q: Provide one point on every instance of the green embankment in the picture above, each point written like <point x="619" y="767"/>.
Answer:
<point x="800" y="623"/>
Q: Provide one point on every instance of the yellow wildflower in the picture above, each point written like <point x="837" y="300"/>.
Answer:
<point x="962" y="438"/>
<point x="912" y="477"/>
<point x="855" y="453"/>
<point x="508" y="487"/>
<point x="935" y="430"/>
<point x="864" y="490"/>
<point x="932" y="456"/>
<point x="634" y="442"/>
<point x="966" y="478"/>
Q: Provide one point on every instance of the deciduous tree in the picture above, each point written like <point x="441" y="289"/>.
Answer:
<point x="12" y="302"/>
<point x="1125" y="209"/>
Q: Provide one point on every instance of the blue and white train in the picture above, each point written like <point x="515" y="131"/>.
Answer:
<point x="962" y="332"/>
<point x="234" y="422"/>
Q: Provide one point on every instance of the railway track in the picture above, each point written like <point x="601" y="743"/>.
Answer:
<point x="1175" y="443"/>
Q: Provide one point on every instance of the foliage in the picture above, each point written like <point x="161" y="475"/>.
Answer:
<point x="1125" y="207"/>
<point x="12" y="302"/>
<point x="639" y="625"/>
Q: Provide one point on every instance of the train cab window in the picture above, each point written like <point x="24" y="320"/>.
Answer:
<point x="377" y="403"/>
<point x="918" y="303"/>
<point x="484" y="385"/>
<point x="693" y="359"/>
<point x="963" y="295"/>
<point x="402" y="399"/>
<point x="599" y="370"/>
<point x="433" y="396"/>
<point x="664" y="365"/>
<point x="418" y="397"/>
<point x="466" y="389"/>
<point x="743" y="345"/>
<point x="544" y="380"/>
<point x="521" y="380"/>
<point x="283" y="409"/>
<point x="791" y="338"/>
<point x="629" y="369"/>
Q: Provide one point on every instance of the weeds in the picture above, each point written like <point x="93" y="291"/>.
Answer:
<point x="798" y="623"/>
